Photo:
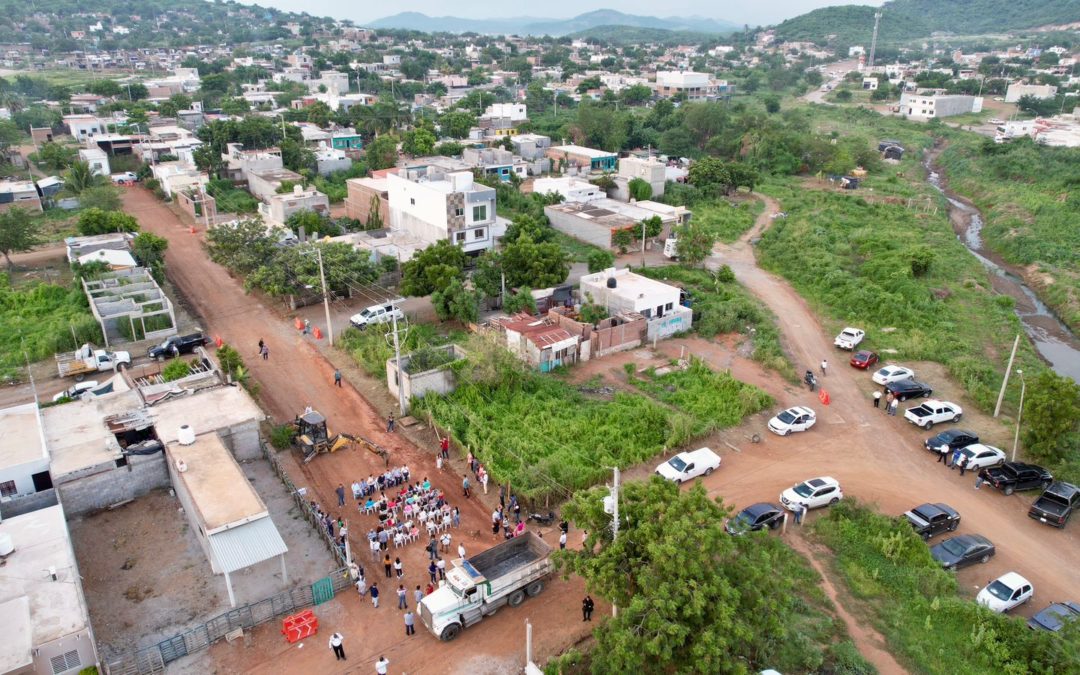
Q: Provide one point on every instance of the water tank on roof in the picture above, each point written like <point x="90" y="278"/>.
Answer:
<point x="186" y="435"/>
<point x="611" y="282"/>
<point x="7" y="546"/>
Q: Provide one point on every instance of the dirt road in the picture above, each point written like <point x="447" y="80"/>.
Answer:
<point x="878" y="458"/>
<point x="297" y="375"/>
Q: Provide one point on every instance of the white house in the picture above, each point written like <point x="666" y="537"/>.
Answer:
<point x="277" y="208"/>
<point x="923" y="107"/>
<point x="696" y="86"/>
<point x="620" y="291"/>
<point x="572" y="189"/>
<point x="24" y="459"/>
<point x="97" y="159"/>
<point x="515" y="112"/>
<point x="433" y="206"/>
<point x="84" y="126"/>
<point x="1016" y="91"/>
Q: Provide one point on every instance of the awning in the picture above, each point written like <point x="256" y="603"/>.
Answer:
<point x="243" y="546"/>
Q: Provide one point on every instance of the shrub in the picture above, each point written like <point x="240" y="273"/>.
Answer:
<point x="281" y="436"/>
<point x="600" y="260"/>
<point x="175" y="370"/>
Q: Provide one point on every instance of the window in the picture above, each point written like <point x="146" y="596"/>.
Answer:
<point x="8" y="489"/>
<point x="479" y="213"/>
<point x="460" y="237"/>
<point x="479" y="234"/>
<point x="668" y="306"/>
<point x="459" y="211"/>
<point x="412" y="201"/>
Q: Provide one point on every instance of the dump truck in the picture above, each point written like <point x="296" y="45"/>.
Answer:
<point x="88" y="359"/>
<point x="476" y="587"/>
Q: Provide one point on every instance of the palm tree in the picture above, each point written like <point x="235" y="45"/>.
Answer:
<point x="80" y="177"/>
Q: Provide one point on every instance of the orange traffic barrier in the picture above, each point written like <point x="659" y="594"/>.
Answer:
<point x="192" y="229"/>
<point x="299" y="626"/>
<point x="299" y="323"/>
<point x="823" y="396"/>
<point x="218" y="341"/>
<point x="317" y="333"/>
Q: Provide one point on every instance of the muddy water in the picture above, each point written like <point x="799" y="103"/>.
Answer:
<point x="1051" y="338"/>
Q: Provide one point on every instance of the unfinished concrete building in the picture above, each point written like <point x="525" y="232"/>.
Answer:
<point x="129" y="305"/>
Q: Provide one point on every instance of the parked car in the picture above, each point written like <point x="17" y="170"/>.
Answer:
<point x="931" y="519"/>
<point x="1054" y="617"/>
<point x="812" y="494"/>
<point x="954" y="438"/>
<point x="688" y="465"/>
<point x="905" y="389"/>
<point x="125" y="178"/>
<point x="76" y="391"/>
<point x="926" y="415"/>
<point x="1013" y="476"/>
<point x="849" y="338"/>
<point x="177" y="345"/>
<point x="863" y="359"/>
<point x="981" y="456"/>
<point x="376" y="314"/>
<point x="1056" y="504"/>
<point x="760" y="516"/>
<point x="798" y="418"/>
<point x="1007" y="591"/>
<point x="890" y="374"/>
<point x="967" y="549"/>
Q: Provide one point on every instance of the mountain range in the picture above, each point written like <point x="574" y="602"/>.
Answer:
<point x="527" y="25"/>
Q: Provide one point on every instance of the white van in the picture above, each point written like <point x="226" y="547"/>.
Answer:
<point x="688" y="465"/>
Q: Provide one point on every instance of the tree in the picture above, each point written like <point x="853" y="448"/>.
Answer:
<point x="18" y="232"/>
<point x="521" y="301"/>
<point x="1051" y="418"/>
<point x="636" y="94"/>
<point x="640" y="189"/>
<point x="654" y="225"/>
<point x="712" y="173"/>
<point x="149" y="249"/>
<point x="382" y="152"/>
<point x="96" y="221"/>
<point x="80" y="177"/>
<point x="55" y="157"/>
<point x="693" y="243"/>
<point x="433" y="269"/>
<point x="9" y="134"/>
<point x="600" y="260"/>
<point x="418" y="142"/>
<point x="105" y="88"/>
<point x="375" y="220"/>
<point x="690" y="598"/>
<point x="208" y="159"/>
<point x="526" y="225"/>
<point x="772" y="104"/>
<point x="235" y="106"/>
<point x="449" y="149"/>
<point x="622" y="240"/>
<point x="457" y="123"/>
<point x="535" y="265"/>
<point x="456" y="301"/>
<point x="591" y="312"/>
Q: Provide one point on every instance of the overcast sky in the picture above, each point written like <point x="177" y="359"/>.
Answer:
<point x="756" y="13"/>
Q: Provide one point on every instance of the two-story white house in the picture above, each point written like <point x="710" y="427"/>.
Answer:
<point x="432" y="205"/>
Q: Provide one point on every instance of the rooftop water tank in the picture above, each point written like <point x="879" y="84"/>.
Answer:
<point x="7" y="546"/>
<point x="186" y="435"/>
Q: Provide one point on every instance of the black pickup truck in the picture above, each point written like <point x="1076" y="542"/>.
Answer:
<point x="931" y="519"/>
<point x="177" y="345"/>
<point x="1013" y="476"/>
<point x="1056" y="504"/>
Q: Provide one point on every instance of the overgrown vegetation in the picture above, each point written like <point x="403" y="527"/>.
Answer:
<point x="918" y="607"/>
<point x="726" y="221"/>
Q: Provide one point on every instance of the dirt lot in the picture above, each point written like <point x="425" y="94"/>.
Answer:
<point x="146" y="577"/>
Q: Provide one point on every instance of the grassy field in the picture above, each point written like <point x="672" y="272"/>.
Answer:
<point x="575" y="248"/>
<point x="727" y="221"/>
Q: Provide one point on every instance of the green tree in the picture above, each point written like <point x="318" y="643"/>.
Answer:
<point x="600" y="260"/>
<point x="636" y="94"/>
<point x="382" y="152"/>
<point x="772" y="104"/>
<point x="693" y="243"/>
<point x="418" y="142"/>
<point x="9" y="134"/>
<point x="96" y="221"/>
<point x="175" y="370"/>
<point x="80" y="177"/>
<point x="456" y="301"/>
<point x="208" y="159"/>
<point x="243" y="246"/>
<point x="235" y="106"/>
<point x="55" y="157"/>
<point x="526" y="225"/>
<point x="149" y="249"/>
<point x="521" y="301"/>
<point x="534" y="265"/>
<point x="375" y="219"/>
<point x="591" y="312"/>
<point x="1051" y="417"/>
<point x="712" y="173"/>
<point x="639" y="189"/>
<point x="18" y="232"/>
<point x="433" y="269"/>
<point x="654" y="225"/>
<point x="105" y="88"/>
<point x="457" y="123"/>
<point x="622" y="240"/>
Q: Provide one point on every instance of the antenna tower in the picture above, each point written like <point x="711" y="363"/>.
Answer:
<point x="873" y="41"/>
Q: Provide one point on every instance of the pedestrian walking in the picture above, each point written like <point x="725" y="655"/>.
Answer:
<point x="402" y="597"/>
<point x="799" y="511"/>
<point x="456" y="517"/>
<point x="390" y="423"/>
<point x="444" y="447"/>
<point x="440" y="564"/>
<point x="433" y="549"/>
<point x="361" y="587"/>
<point x="336" y="642"/>
<point x="433" y="572"/>
<point x="461" y="551"/>
<point x="502" y="496"/>
<point x="445" y="541"/>
<point x="484" y="479"/>
<point x="340" y="490"/>
<point x="587" y="608"/>
<point x="943" y="454"/>
<point x="418" y="595"/>
<point x="374" y="593"/>
<point x="893" y="406"/>
<point x="410" y="621"/>
<point x="824" y="367"/>
<point x="877" y="399"/>
<point x="388" y="566"/>
<point x="399" y="568"/>
<point x="562" y="541"/>
<point x="962" y="464"/>
<point x="955" y="458"/>
<point x="465" y="484"/>
<point x="337" y="378"/>
<point x="979" y="480"/>
<point x="888" y="398"/>
<point x="382" y="666"/>
<point x="375" y="550"/>
<point x="265" y="352"/>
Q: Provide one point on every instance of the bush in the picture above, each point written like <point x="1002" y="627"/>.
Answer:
<point x="600" y="260"/>
<point x="281" y="436"/>
<point x="99" y="221"/>
<point x="175" y="370"/>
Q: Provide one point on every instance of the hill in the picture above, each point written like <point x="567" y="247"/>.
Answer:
<point x="627" y="35"/>
<point x="909" y="19"/>
<point x="555" y="27"/>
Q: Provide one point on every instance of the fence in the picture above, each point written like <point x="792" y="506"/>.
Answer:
<point x="153" y="659"/>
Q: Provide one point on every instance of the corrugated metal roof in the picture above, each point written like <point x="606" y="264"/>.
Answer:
<point x="250" y="543"/>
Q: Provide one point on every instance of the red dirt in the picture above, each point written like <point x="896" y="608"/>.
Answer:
<point x="298" y="375"/>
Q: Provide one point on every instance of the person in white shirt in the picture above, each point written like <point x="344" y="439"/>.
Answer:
<point x="382" y="666"/>
<point x="336" y="641"/>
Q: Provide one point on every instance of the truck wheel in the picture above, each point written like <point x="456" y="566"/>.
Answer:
<point x="929" y="425"/>
<point x="80" y="378"/>
<point x="516" y="598"/>
<point x="450" y="632"/>
<point x="708" y="471"/>
<point x="1009" y="490"/>
<point x="121" y="367"/>
<point x="956" y="417"/>
<point x="534" y="589"/>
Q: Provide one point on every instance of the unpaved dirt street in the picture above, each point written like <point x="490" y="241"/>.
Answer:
<point x="297" y="375"/>
<point x="877" y="458"/>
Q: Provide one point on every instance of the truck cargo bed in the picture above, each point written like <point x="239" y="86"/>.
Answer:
<point x="507" y="556"/>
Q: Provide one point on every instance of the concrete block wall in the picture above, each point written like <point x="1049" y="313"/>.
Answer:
<point x="242" y="440"/>
<point x="89" y="492"/>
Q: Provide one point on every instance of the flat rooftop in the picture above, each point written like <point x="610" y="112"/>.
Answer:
<point x="41" y="542"/>
<point x="630" y="285"/>
<point x="583" y="151"/>
<point x="276" y="174"/>
<point x="77" y="435"/>
<point x="219" y="490"/>
<point x="21" y="437"/>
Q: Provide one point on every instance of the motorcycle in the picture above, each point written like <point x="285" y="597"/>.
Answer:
<point x="810" y="380"/>
<point x="542" y="519"/>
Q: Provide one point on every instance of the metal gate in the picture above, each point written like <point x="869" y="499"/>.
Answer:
<point x="322" y="590"/>
<point x="173" y="648"/>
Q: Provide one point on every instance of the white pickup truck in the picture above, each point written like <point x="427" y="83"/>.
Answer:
<point x="502" y="575"/>
<point x="377" y="314"/>
<point x="932" y="412"/>
<point x="87" y="359"/>
<point x="689" y="465"/>
<point x="849" y="338"/>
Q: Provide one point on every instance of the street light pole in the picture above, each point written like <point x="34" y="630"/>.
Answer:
<point x="1019" y="413"/>
<point x="326" y="297"/>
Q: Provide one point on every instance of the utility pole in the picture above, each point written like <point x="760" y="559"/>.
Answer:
<point x="1019" y="412"/>
<point x="643" y="244"/>
<point x="1008" y="369"/>
<point x="397" y="362"/>
<point x="615" y="522"/>
<point x="326" y="297"/>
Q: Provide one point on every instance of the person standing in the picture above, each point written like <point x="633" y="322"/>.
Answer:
<point x="484" y="479"/>
<point x="374" y="593"/>
<point x="388" y="566"/>
<point x="433" y="549"/>
<point x="456" y="517"/>
<point x="361" y="587"/>
<point x="410" y="620"/>
<point x="418" y="595"/>
<point x="399" y="569"/>
<point x="433" y="572"/>
<point x="265" y="352"/>
<point x="461" y="551"/>
<point x="465" y="484"/>
<point x="877" y="399"/>
<point x="375" y="549"/>
<point x="444" y="447"/>
<point x="955" y="458"/>
<point x="799" y="511"/>
<point x="979" y="480"/>
<point x="562" y="541"/>
<point x="402" y="597"/>
<point x="390" y="423"/>
<point x="893" y="406"/>
<point x="337" y="378"/>
<point x="307" y="326"/>
<point x="824" y="367"/>
<point x="261" y="344"/>
<point x="962" y="464"/>
<point x="587" y="608"/>
<point x="340" y="490"/>
<point x="336" y="644"/>
<point x="440" y="564"/>
<point x="382" y="666"/>
<point x="943" y="453"/>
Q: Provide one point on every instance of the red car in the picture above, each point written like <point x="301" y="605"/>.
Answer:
<point x="863" y="359"/>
